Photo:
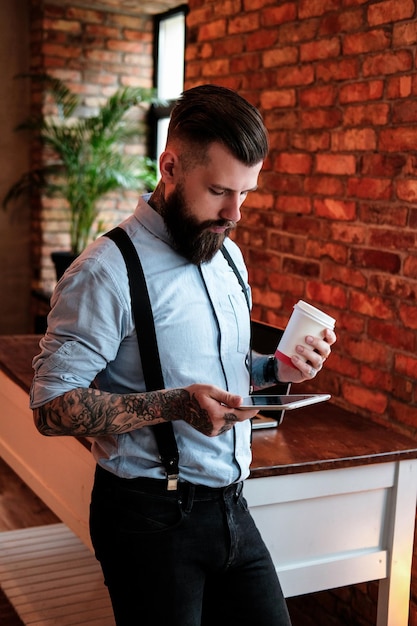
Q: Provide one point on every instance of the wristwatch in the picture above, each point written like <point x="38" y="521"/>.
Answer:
<point x="269" y="371"/>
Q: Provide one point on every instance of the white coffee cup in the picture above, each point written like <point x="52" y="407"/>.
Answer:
<point x="305" y="320"/>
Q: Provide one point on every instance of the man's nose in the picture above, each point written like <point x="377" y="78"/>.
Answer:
<point x="231" y="208"/>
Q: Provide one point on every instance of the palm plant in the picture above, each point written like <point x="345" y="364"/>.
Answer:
<point x="87" y="157"/>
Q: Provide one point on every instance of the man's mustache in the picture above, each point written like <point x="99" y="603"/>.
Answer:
<point x="228" y="224"/>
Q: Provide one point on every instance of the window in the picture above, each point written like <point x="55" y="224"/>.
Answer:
<point x="169" y="38"/>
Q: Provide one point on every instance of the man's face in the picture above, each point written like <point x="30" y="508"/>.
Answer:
<point x="203" y="205"/>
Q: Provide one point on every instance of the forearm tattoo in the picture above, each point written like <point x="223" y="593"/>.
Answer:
<point x="91" y="412"/>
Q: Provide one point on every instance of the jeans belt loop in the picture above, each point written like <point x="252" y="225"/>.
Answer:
<point x="238" y="490"/>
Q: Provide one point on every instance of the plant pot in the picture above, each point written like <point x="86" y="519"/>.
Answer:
<point x="62" y="259"/>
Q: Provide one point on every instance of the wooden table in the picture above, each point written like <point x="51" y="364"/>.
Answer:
<point x="333" y="494"/>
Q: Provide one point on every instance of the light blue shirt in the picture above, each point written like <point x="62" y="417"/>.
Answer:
<point x="203" y="332"/>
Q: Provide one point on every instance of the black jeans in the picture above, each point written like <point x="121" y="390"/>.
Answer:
<point x="192" y="557"/>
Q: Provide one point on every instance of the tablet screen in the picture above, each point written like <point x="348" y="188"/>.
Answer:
<point x="287" y="402"/>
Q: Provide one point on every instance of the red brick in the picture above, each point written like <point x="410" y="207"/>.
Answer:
<point x="322" y="95"/>
<point x="244" y="23"/>
<point x="382" y="164"/>
<point x="229" y="46"/>
<point x="317" y="249"/>
<point x="345" y="275"/>
<point x="278" y="98"/>
<point x="365" y="115"/>
<point x="277" y="119"/>
<point x="136" y="35"/>
<point x="261" y="40"/>
<point x="143" y="22"/>
<point x="320" y="118"/>
<point x="323" y="185"/>
<point x="292" y="163"/>
<point x="310" y="8"/>
<point x="216" y="67"/>
<point x="85" y="15"/>
<point x="390" y="11"/>
<point x="388" y="63"/>
<point x="391" y="239"/>
<point x="382" y="215"/>
<point x="343" y="21"/>
<point x="329" y="296"/>
<point x="102" y="30"/>
<point x="410" y="266"/>
<point x="296" y="76"/>
<point x="407" y="365"/>
<point x="408" y="315"/>
<point x="353" y="140"/>
<point x="311" y="141"/>
<point x="376" y="188"/>
<point x="301" y="267"/>
<point x="68" y="26"/>
<point x="293" y="204"/>
<point x="212" y="30"/>
<point x="368" y="41"/>
<point x="332" y="163"/>
<point x="399" y="87"/>
<point x="357" y="92"/>
<point x="272" y="16"/>
<point x="324" y="49"/>
<point x="61" y="51"/>
<point x="406" y="414"/>
<point x="391" y="334"/>
<point x="103" y="56"/>
<point x="407" y="189"/>
<point x="274" y="57"/>
<point x="335" y="70"/>
<point x="404" y="34"/>
<point x="245" y="62"/>
<point x="132" y="47"/>
<point x="332" y="208"/>
<point x="228" y="7"/>
<point x="400" y="139"/>
<point x="294" y="32"/>
<point x="377" y="260"/>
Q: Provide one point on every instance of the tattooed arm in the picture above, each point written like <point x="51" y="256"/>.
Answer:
<point x="91" y="412"/>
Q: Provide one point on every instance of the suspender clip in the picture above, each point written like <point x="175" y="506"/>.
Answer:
<point x="172" y="484"/>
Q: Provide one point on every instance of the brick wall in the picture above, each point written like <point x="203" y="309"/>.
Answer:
<point x="334" y="221"/>
<point x="94" y="52"/>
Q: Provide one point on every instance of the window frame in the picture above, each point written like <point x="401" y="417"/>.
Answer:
<point x="162" y="110"/>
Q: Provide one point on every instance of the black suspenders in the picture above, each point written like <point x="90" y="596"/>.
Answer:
<point x="148" y="347"/>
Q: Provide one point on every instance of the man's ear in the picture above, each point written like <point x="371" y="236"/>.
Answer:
<point x="168" y="166"/>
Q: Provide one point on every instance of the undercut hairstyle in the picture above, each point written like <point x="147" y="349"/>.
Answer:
<point x="209" y="113"/>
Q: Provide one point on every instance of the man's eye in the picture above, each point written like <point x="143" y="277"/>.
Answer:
<point x="215" y="192"/>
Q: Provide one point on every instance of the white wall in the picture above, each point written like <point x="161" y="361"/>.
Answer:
<point x="14" y="159"/>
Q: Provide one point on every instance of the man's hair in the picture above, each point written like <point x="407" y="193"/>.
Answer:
<point x="210" y="113"/>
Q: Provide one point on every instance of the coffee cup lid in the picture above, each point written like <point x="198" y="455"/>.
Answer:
<point x="320" y="316"/>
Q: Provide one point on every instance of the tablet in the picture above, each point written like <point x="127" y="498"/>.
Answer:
<point x="287" y="402"/>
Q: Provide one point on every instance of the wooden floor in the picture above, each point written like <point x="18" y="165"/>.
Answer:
<point x="46" y="572"/>
<point x="19" y="508"/>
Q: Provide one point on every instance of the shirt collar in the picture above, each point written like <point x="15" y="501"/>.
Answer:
<point x="151" y="220"/>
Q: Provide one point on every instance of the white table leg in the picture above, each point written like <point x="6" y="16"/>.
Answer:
<point x="394" y="591"/>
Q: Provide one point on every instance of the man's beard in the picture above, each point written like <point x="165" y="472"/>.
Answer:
<point x="191" y="238"/>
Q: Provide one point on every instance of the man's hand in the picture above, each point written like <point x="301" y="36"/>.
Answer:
<point x="212" y="411"/>
<point x="310" y="361"/>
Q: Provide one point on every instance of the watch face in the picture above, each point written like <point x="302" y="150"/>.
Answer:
<point x="271" y="371"/>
